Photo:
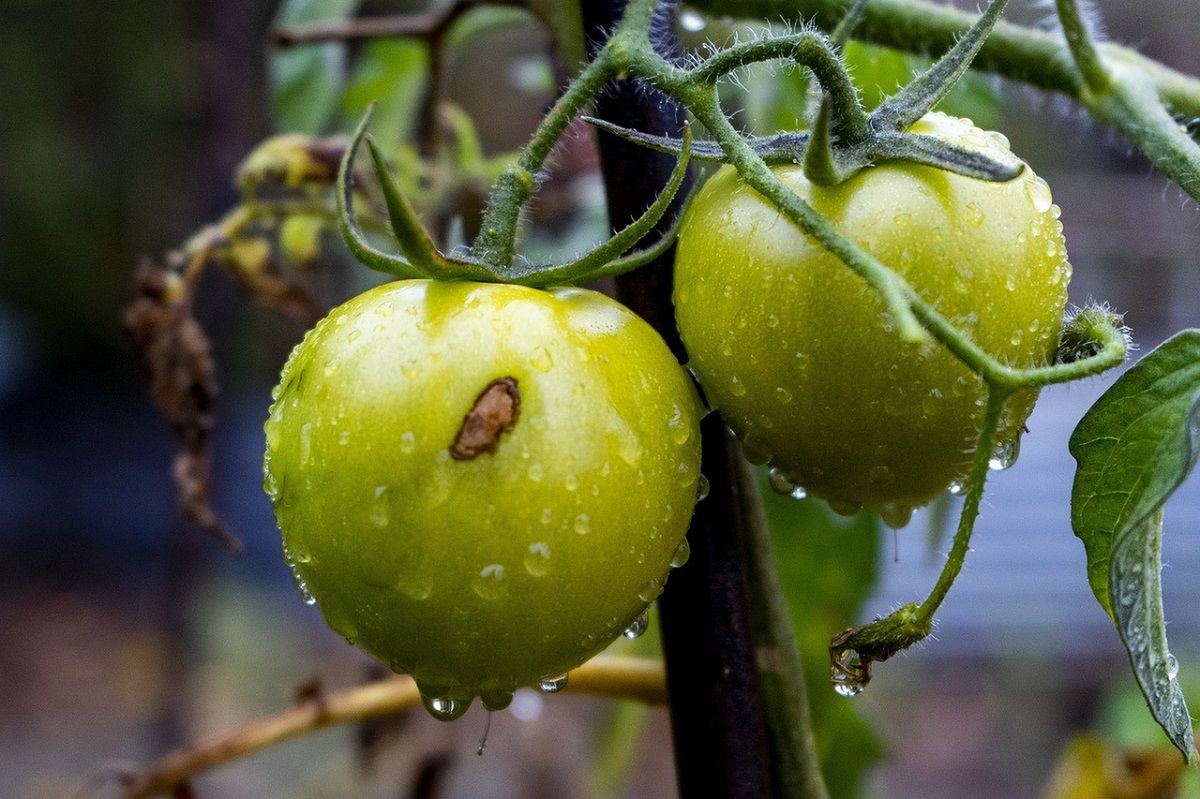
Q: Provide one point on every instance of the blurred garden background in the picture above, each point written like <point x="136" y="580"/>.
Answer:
<point x="125" y="632"/>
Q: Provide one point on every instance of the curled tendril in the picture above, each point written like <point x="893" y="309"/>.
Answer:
<point x="420" y="258"/>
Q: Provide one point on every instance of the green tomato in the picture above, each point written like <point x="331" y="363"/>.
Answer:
<point x="800" y="355"/>
<point x="482" y="485"/>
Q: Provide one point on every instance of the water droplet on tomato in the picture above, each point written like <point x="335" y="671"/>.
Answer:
<point x="552" y="685"/>
<point x="637" y="627"/>
<point x="1004" y="455"/>
<point x="380" y="512"/>
<point x="681" y="554"/>
<point x="444" y="708"/>
<point x="583" y="524"/>
<point x="537" y="560"/>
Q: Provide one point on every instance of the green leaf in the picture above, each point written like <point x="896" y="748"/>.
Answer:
<point x="306" y="80"/>
<point x="1134" y="447"/>
<point x="391" y="73"/>
<point x="827" y="566"/>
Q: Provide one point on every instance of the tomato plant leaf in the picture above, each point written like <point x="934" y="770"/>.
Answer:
<point x="306" y="81"/>
<point x="1134" y="447"/>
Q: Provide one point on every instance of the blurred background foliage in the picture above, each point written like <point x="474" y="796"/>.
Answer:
<point x="124" y="632"/>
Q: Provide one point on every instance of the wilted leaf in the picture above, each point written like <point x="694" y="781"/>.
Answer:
<point x="183" y="384"/>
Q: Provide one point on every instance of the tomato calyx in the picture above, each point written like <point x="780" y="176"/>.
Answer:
<point x="843" y="139"/>
<point x="420" y="258"/>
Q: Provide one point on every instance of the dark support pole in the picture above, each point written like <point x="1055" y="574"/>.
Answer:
<point x="716" y="712"/>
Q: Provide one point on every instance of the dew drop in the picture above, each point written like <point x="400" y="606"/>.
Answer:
<point x="408" y="442"/>
<point x="1172" y="667"/>
<point x="902" y="220"/>
<point x="681" y="554"/>
<point x="490" y="583"/>
<point x="702" y="488"/>
<point x="541" y="359"/>
<point x="783" y="395"/>
<point x="344" y="437"/>
<point x="494" y="699"/>
<point x="443" y="708"/>
<point x="637" y="627"/>
<point x="848" y="674"/>
<point x="737" y="386"/>
<point x="270" y="486"/>
<point x="881" y="475"/>
<point x="572" y="482"/>
<point x="755" y="451"/>
<point x="956" y="487"/>
<point x="305" y="443"/>
<point x="380" y="512"/>
<point x="583" y="524"/>
<point x="552" y="685"/>
<point x="974" y="214"/>
<point x="537" y="560"/>
<point x="547" y="515"/>
<point x="895" y="515"/>
<point x="651" y="590"/>
<point x="1038" y="192"/>
<point x="1004" y="455"/>
<point x="535" y="472"/>
<point x="691" y="21"/>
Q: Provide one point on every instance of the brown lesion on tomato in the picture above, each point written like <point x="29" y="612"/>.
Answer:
<point x="494" y="412"/>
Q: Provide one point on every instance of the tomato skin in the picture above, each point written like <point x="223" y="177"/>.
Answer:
<point x="480" y="575"/>
<point x="799" y="354"/>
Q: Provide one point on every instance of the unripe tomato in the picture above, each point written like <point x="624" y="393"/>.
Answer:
<point x="800" y="355"/>
<point x="482" y="485"/>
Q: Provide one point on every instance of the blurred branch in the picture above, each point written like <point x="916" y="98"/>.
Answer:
<point x="430" y="25"/>
<point x="637" y="679"/>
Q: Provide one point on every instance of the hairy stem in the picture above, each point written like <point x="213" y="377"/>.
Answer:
<point x="984" y="446"/>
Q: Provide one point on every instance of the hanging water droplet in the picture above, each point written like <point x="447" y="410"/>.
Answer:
<point x="443" y="708"/>
<point x="956" y="487"/>
<point x="702" y="488"/>
<point x="681" y="554"/>
<point x="755" y="451"/>
<point x="847" y="689"/>
<point x="780" y="482"/>
<point x="309" y="599"/>
<point x="895" y="515"/>
<point x="1004" y="455"/>
<point x="691" y="21"/>
<point x="552" y="685"/>
<point x="495" y="699"/>
<point x="637" y="627"/>
<point x="848" y="674"/>
<point x="1172" y="667"/>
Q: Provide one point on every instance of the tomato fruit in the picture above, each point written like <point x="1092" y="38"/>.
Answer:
<point x="799" y="354"/>
<point x="482" y="485"/>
